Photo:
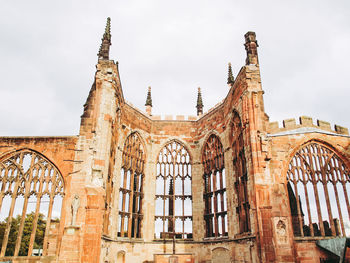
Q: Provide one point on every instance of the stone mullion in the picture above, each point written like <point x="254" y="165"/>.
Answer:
<point x="316" y="195"/>
<point x="140" y="195"/>
<point x="183" y="193"/>
<point x="343" y="183"/>
<point x="137" y="232"/>
<point x="222" y="194"/>
<point x="162" y="171"/>
<point x="246" y="202"/>
<point x="304" y="181"/>
<point x="330" y="214"/>
<point x="2" y="194"/>
<point x="318" y="206"/>
<point x="339" y="209"/>
<point x="8" y="225"/>
<point x="337" y="197"/>
<point x="24" y="211"/>
<point x="25" y="204"/>
<point x="37" y="210"/>
<point x="346" y="197"/>
<point x="208" y="208"/>
<point x="238" y="187"/>
<point x="122" y="218"/>
<point x="223" y="212"/>
<point x="131" y="200"/>
<point x="242" y="208"/>
<point x="173" y="195"/>
<point x="296" y="178"/>
<point x="49" y="214"/>
<point x="136" y="193"/>
<point x="298" y="207"/>
<point x="222" y="203"/>
<point x="322" y="170"/>
<point x="215" y="204"/>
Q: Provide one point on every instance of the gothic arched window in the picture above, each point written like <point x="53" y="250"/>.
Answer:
<point x="131" y="187"/>
<point x="173" y="211"/>
<point x="318" y="185"/>
<point x="215" y="215"/>
<point x="31" y="191"/>
<point x="241" y="174"/>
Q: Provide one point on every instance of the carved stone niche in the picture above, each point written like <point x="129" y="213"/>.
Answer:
<point x="281" y="230"/>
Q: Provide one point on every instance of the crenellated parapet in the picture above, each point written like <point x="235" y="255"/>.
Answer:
<point x="305" y="124"/>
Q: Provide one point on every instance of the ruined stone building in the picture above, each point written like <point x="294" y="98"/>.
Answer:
<point x="227" y="185"/>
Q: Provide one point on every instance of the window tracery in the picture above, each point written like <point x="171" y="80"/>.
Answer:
<point x="241" y="174"/>
<point x="173" y="215"/>
<point x="31" y="191"/>
<point x="215" y="215"/>
<point x="318" y="185"/>
<point x="131" y="187"/>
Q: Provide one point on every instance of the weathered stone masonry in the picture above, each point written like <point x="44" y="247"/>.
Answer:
<point x="233" y="187"/>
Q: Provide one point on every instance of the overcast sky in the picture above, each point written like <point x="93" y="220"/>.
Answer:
<point x="48" y="56"/>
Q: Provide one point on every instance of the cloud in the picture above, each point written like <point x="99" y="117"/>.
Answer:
<point x="48" y="53"/>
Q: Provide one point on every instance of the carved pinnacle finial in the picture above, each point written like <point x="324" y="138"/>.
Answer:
<point x="230" y="78"/>
<point x="149" y="102"/>
<point x="149" y="98"/>
<point x="199" y="103"/>
<point x="103" y="53"/>
<point x="251" y="46"/>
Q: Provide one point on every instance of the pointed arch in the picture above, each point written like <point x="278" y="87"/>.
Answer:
<point x="318" y="183"/>
<point x="27" y="176"/>
<point x="177" y="141"/>
<point x="173" y="215"/>
<point x="215" y="199"/>
<point x="131" y="187"/>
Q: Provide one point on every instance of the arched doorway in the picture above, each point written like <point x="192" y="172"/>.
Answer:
<point x="121" y="257"/>
<point x="221" y="255"/>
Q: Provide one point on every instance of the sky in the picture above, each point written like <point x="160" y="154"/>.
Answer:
<point x="48" y="53"/>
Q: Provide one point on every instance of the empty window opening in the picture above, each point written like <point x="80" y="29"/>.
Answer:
<point x="318" y="187"/>
<point x="30" y="201"/>
<point x="173" y="211"/>
<point x="241" y="175"/>
<point x="215" y="214"/>
<point x="131" y="188"/>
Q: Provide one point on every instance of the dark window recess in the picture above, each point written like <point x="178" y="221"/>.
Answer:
<point x="241" y="174"/>
<point x="215" y="214"/>
<point x="131" y="188"/>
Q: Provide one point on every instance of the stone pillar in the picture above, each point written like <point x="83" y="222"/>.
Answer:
<point x="71" y="245"/>
<point x="198" y="207"/>
<point x="93" y="225"/>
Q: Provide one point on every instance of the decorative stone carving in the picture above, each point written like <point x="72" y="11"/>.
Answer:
<point x="280" y="225"/>
<point x="75" y="207"/>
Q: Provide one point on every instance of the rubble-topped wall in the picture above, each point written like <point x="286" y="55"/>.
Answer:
<point x="305" y="122"/>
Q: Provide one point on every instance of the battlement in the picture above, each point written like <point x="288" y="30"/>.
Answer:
<point x="304" y="121"/>
<point x="174" y="118"/>
<point x="163" y="117"/>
